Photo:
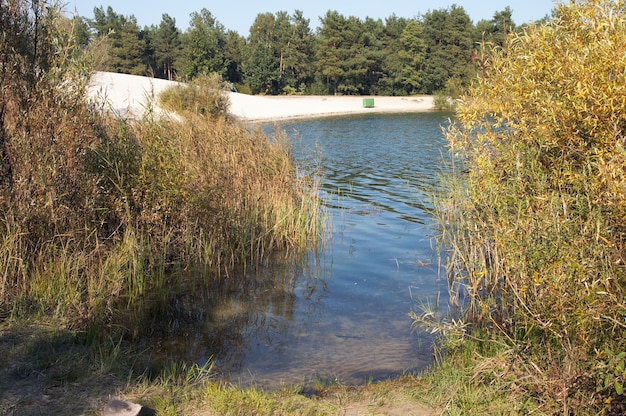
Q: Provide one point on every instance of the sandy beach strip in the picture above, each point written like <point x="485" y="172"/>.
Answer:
<point x="262" y="108"/>
<point x="132" y="95"/>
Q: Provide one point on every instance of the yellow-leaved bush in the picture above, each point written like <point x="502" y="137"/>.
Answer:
<point x="537" y="224"/>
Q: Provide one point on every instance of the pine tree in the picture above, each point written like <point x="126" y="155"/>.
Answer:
<point x="202" y="46"/>
<point x="449" y="47"/>
<point x="167" y="45"/>
<point x="127" y="44"/>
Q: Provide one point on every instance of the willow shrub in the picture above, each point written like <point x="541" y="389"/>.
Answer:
<point x="99" y="213"/>
<point x="537" y="224"/>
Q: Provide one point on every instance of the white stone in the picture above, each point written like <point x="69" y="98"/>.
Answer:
<point x="121" y="408"/>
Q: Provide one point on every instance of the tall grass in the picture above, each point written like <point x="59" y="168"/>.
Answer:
<point x="203" y="96"/>
<point x="99" y="212"/>
<point x="535" y="221"/>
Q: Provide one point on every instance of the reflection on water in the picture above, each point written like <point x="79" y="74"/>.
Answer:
<point x="340" y="312"/>
<point x="226" y="320"/>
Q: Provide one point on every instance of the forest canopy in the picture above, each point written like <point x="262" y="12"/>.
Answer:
<point x="282" y="54"/>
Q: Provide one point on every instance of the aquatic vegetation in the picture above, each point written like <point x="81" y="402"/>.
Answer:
<point x="100" y="212"/>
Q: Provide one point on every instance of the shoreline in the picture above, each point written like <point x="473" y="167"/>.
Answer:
<point x="132" y="95"/>
<point x="286" y="107"/>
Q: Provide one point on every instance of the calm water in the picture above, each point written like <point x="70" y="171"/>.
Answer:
<point x="340" y="314"/>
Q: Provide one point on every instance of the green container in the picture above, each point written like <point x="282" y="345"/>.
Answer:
<point x="368" y="102"/>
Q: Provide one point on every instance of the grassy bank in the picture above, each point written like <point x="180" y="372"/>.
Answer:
<point x="48" y="369"/>
<point x="45" y="369"/>
<point x="105" y="217"/>
<point x="98" y="211"/>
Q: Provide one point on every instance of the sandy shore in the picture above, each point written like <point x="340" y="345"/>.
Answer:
<point x="282" y="107"/>
<point x="131" y="95"/>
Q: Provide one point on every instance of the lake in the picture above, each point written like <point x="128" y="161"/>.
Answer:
<point x="337" y="314"/>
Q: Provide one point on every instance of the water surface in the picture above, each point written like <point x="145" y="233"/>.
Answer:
<point x="339" y="314"/>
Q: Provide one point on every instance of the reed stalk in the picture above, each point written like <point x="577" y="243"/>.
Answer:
<point x="101" y="213"/>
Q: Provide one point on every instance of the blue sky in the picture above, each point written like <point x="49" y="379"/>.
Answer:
<point x="239" y="15"/>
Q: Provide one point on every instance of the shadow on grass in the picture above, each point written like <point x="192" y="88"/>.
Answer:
<point x="46" y="370"/>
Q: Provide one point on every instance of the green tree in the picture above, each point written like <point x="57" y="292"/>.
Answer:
<point x="127" y="53"/>
<point x="331" y="50"/>
<point x="81" y="32"/>
<point x="348" y="55"/>
<point x="129" y="56"/>
<point x="327" y="52"/>
<point x="269" y="36"/>
<point x="371" y="41"/>
<point x="391" y="80"/>
<point x="105" y="23"/>
<point x="203" y="47"/>
<point x="289" y="40"/>
<point x="412" y="55"/>
<point x="234" y="52"/>
<point x="262" y="73"/>
<point x="298" y="59"/>
<point x="495" y="31"/>
<point x="448" y="37"/>
<point x="166" y="45"/>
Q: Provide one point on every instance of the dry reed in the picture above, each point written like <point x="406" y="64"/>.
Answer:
<point x="100" y="212"/>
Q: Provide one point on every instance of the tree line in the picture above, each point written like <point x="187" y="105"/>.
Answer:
<point x="283" y="55"/>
